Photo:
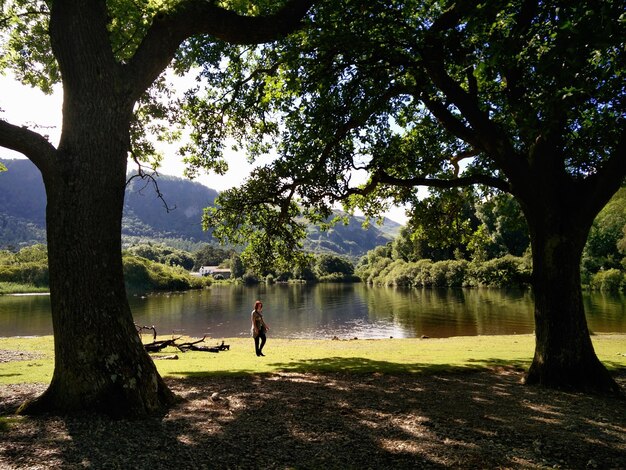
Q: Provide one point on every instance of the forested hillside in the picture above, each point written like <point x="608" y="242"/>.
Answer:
<point x="173" y="219"/>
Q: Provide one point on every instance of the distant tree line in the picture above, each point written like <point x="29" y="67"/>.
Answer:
<point x="29" y="268"/>
<point x="458" y="237"/>
<point x="455" y="238"/>
<point x="155" y="266"/>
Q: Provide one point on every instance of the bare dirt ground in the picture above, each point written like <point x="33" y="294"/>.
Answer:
<point x="343" y="421"/>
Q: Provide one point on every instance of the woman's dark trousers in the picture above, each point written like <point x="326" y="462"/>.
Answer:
<point x="259" y="349"/>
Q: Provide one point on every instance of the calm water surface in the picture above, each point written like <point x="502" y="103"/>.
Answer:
<point x="327" y="310"/>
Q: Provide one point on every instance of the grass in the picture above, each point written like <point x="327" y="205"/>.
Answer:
<point x="15" y="288"/>
<point x="387" y="356"/>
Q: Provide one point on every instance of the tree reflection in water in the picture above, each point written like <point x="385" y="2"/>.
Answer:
<point x="327" y="310"/>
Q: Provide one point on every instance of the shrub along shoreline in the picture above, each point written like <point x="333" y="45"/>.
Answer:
<point x="8" y="288"/>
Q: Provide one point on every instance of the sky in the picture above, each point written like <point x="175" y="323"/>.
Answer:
<point x="26" y="106"/>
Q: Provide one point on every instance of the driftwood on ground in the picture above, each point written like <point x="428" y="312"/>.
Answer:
<point x="141" y="328"/>
<point x="192" y="346"/>
<point x="168" y="357"/>
<point x="157" y="346"/>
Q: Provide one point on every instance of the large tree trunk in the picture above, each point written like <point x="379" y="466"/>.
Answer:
<point x="564" y="355"/>
<point x="100" y="363"/>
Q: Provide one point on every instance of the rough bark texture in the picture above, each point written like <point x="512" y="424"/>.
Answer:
<point x="100" y="363"/>
<point x="564" y="355"/>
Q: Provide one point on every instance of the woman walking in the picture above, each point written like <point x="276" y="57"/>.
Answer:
<point x="259" y="327"/>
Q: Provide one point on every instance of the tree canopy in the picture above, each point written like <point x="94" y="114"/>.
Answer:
<point x="372" y="99"/>
<point x="365" y="102"/>
<point x="404" y="91"/>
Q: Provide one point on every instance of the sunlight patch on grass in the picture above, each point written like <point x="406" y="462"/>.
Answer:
<point x="7" y="422"/>
<point x="387" y="356"/>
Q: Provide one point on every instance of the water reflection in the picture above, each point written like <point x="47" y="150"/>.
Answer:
<point x="452" y="312"/>
<point x="25" y="315"/>
<point x="327" y="310"/>
<point x="605" y="312"/>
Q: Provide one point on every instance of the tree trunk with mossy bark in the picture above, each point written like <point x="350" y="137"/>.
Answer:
<point x="100" y="362"/>
<point x="559" y="222"/>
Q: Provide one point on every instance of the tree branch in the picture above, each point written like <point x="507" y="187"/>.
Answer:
<point x="608" y="179"/>
<point x="29" y="143"/>
<point x="490" y="136"/>
<point x="196" y="17"/>
<point x="354" y="122"/>
<point x="150" y="178"/>
<point x="452" y="123"/>
<point x="382" y="178"/>
<point x="482" y="133"/>
<point x="516" y="42"/>
<point x="4" y="21"/>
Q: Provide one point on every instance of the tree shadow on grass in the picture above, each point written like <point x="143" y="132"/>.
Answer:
<point x="364" y="366"/>
<point x="418" y="417"/>
<point x="360" y="366"/>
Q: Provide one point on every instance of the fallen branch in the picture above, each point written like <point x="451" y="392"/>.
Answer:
<point x="169" y="356"/>
<point x="192" y="346"/>
<point x="156" y="346"/>
<point x="186" y="346"/>
<point x="141" y="328"/>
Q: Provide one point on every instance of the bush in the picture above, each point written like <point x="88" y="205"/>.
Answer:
<point x="141" y="274"/>
<point x="456" y="273"/>
<point x="160" y="253"/>
<point x="438" y="273"/>
<point x="15" y="288"/>
<point x="448" y="273"/>
<point x="249" y="278"/>
<point x="610" y="280"/>
<point x="199" y="282"/>
<point x="33" y="254"/>
<point x="339" y="277"/>
<point x="136" y="273"/>
<point x="399" y="274"/>
<point x="422" y="273"/>
<point x="371" y="271"/>
<point x="303" y="273"/>
<point x="330" y="264"/>
<point x="35" y="273"/>
<point x="423" y="276"/>
<point x="507" y="271"/>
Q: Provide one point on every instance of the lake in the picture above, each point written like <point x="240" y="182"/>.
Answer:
<point x="327" y="310"/>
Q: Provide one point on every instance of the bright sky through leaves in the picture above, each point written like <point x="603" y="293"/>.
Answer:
<point x="22" y="105"/>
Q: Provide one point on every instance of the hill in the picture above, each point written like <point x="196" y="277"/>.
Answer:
<point x="173" y="219"/>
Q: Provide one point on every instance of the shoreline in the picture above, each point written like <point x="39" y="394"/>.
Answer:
<point x="25" y="294"/>
<point x="337" y="338"/>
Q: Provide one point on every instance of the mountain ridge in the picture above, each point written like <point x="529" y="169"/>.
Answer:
<point x="171" y="215"/>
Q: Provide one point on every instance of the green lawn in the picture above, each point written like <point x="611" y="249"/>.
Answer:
<point x="353" y="356"/>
